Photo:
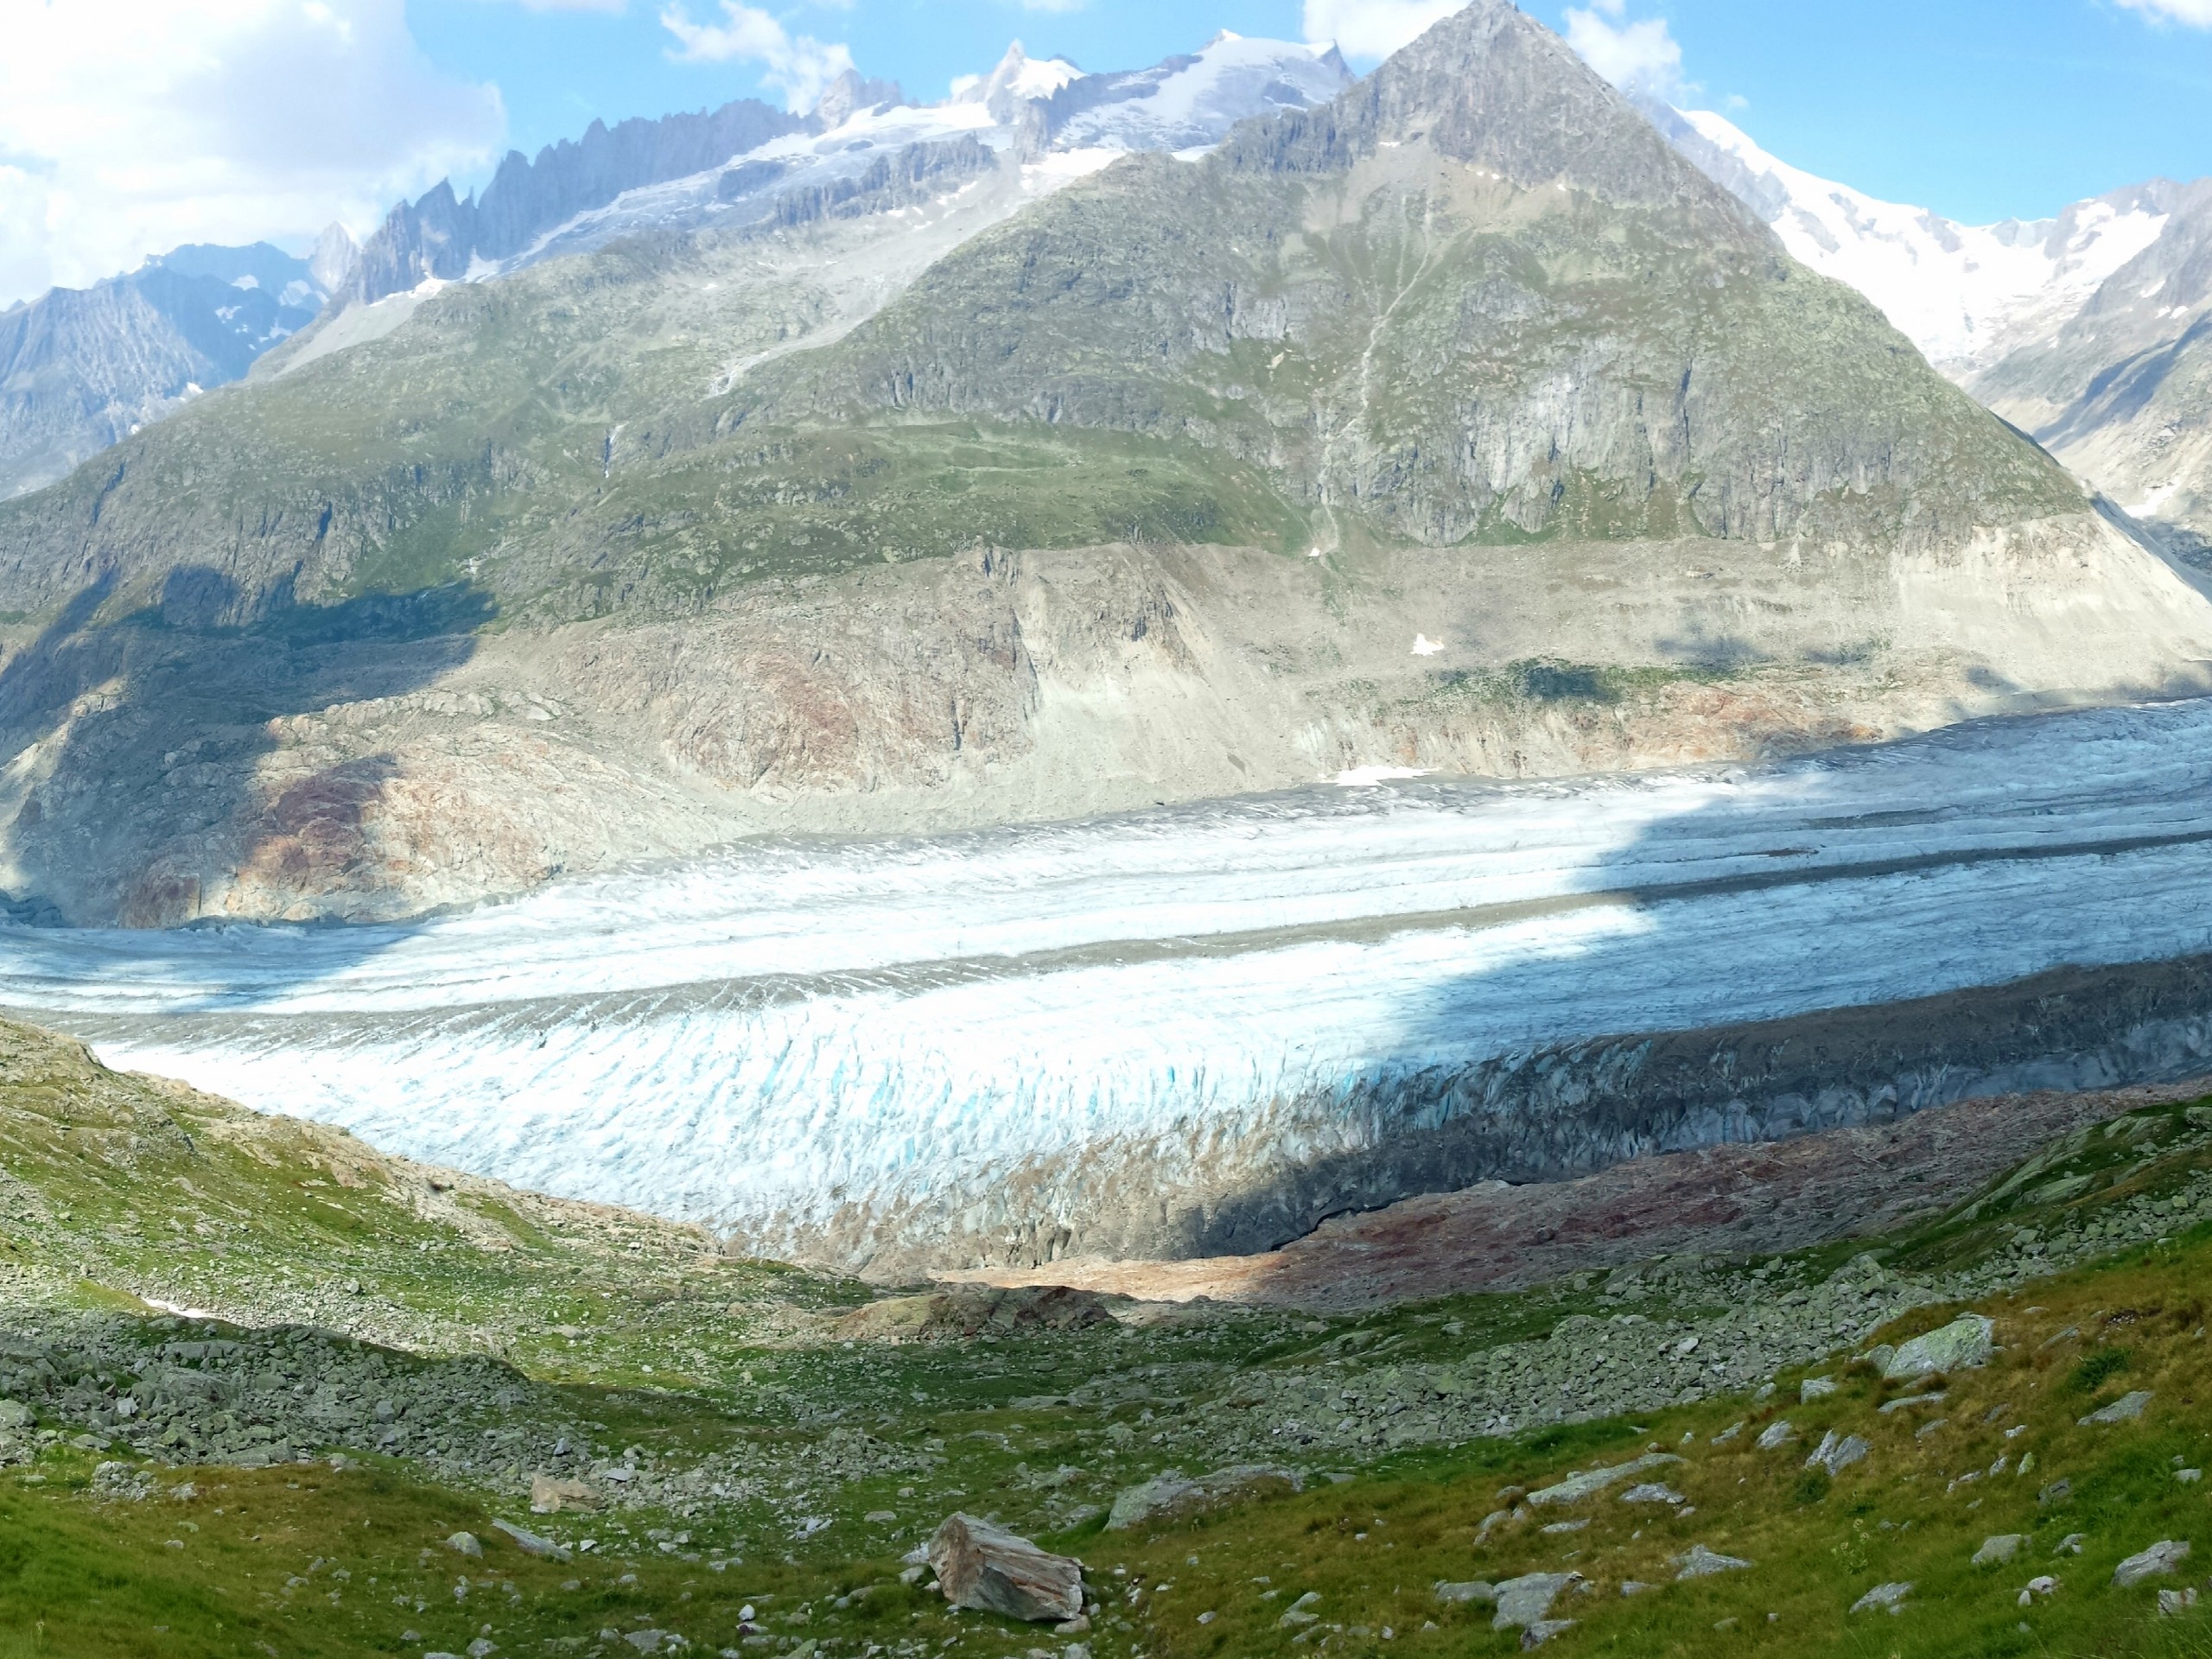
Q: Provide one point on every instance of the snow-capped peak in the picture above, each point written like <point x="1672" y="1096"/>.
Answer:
<point x="1189" y="103"/>
<point x="1019" y="79"/>
<point x="1965" y="294"/>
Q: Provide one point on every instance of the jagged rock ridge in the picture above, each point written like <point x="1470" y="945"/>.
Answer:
<point x="83" y="368"/>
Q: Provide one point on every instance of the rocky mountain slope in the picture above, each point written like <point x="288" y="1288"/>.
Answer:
<point x="2122" y="392"/>
<point x="2087" y="330"/>
<point x="259" y="1381"/>
<point x="969" y="446"/>
<point x="82" y="369"/>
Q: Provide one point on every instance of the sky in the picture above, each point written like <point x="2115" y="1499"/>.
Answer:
<point x="127" y="127"/>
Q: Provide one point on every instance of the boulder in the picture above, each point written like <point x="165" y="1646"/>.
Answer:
<point x="1652" y="1491"/>
<point x="1527" y="1600"/>
<point x="1703" y="1563"/>
<point x="2162" y="1558"/>
<point x="1171" y="1497"/>
<point x="549" y="1497"/>
<point x="464" y="1543"/>
<point x="1962" y="1345"/>
<point x="530" y="1544"/>
<point x="1837" y="1453"/>
<point x="1883" y="1598"/>
<point x="981" y="1566"/>
<point x="1815" y="1388"/>
<point x="1775" y="1435"/>
<point x="2125" y="1410"/>
<point x="1995" y="1552"/>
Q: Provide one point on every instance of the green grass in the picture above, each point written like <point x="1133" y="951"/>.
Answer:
<point x="746" y="1367"/>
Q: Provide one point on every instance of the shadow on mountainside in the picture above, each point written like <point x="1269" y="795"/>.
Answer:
<point x="133" y="744"/>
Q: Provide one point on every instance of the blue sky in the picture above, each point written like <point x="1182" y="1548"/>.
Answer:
<point x="1979" y="109"/>
<point x="129" y="126"/>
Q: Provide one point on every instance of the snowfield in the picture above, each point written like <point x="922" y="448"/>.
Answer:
<point x="790" y="1034"/>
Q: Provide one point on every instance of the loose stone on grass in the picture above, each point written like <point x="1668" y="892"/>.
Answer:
<point x="2162" y="1558"/>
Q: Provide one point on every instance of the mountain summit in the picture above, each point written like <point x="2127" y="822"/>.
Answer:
<point x="938" y="469"/>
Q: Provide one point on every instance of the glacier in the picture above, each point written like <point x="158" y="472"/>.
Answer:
<point x="1967" y="295"/>
<point x="877" y="1051"/>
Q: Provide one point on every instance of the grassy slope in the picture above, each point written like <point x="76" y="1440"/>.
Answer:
<point x="744" y="1367"/>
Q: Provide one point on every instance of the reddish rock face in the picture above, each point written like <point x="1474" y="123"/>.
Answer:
<point x="1720" y="1201"/>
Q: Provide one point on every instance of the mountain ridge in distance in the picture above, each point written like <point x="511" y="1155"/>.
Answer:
<point x="2086" y="330"/>
<point x="1457" y="423"/>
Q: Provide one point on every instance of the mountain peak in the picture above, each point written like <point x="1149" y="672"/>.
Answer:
<point x="1019" y="79"/>
<point x="850" y="93"/>
<point x="1491" y="87"/>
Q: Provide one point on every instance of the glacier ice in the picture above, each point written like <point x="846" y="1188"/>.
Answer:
<point x="792" y="1031"/>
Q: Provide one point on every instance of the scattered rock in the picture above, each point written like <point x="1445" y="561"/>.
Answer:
<point x="1934" y="1398"/>
<point x="465" y="1543"/>
<point x="1837" y="1453"/>
<point x="2162" y="1558"/>
<point x="1527" y="1600"/>
<point x="1170" y="1497"/>
<point x="2057" y="1492"/>
<point x="2044" y="1584"/>
<point x="1815" y="1388"/>
<point x="1998" y="1550"/>
<point x="2173" y="1602"/>
<point x="530" y="1544"/>
<point x="1542" y="1631"/>
<point x="1652" y="1492"/>
<point x="1458" y="1595"/>
<point x="2125" y="1410"/>
<point x="1882" y="1598"/>
<point x="1583" y="1485"/>
<point x="960" y="1312"/>
<point x="1776" y="1435"/>
<point x="981" y="1566"/>
<point x="1703" y="1563"/>
<point x="1966" y="1342"/>
<point x="2071" y="1544"/>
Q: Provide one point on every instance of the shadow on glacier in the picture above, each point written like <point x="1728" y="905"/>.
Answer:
<point x="141" y="732"/>
<point x="1820" y="1023"/>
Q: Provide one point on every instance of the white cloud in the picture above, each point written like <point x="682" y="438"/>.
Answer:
<point x="797" y="67"/>
<point x="1375" y="28"/>
<point x="572" y="5"/>
<point x="1639" y="57"/>
<point x="129" y="126"/>
<point x="2197" y="14"/>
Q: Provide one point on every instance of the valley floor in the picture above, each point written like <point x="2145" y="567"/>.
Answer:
<point x="402" y="1355"/>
